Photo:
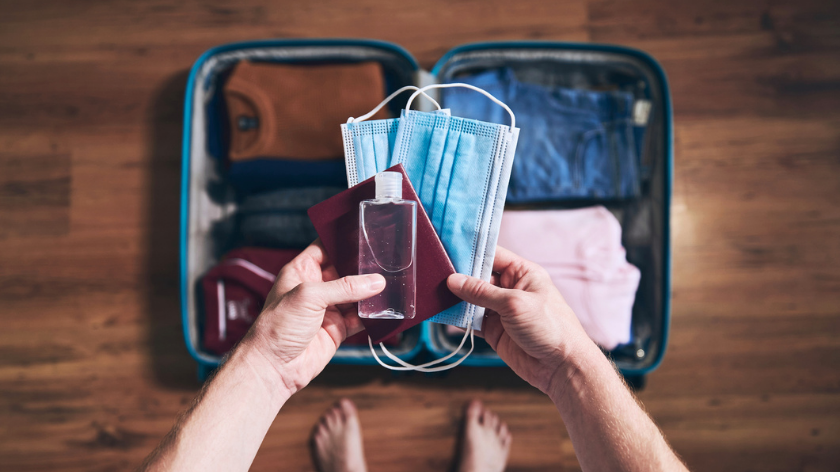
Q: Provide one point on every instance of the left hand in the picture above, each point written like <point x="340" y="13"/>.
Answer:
<point x="309" y="312"/>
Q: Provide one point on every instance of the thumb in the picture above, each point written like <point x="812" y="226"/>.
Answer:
<point x="348" y="289"/>
<point x="478" y="292"/>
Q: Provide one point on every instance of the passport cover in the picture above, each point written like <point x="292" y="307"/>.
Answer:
<point x="337" y="222"/>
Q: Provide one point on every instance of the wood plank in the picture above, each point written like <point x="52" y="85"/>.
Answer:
<point x="93" y="368"/>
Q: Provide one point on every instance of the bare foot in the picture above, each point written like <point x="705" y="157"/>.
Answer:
<point x="337" y="440"/>
<point x="485" y="444"/>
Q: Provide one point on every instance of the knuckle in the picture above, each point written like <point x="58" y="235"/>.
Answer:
<point x="476" y="288"/>
<point x="304" y="290"/>
<point x="350" y="285"/>
<point x="517" y="303"/>
<point x="529" y="267"/>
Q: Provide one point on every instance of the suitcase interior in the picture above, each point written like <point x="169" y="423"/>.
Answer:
<point x="644" y="220"/>
<point x="209" y="204"/>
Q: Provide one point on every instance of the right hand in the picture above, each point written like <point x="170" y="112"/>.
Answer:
<point x="309" y="312"/>
<point x="527" y="321"/>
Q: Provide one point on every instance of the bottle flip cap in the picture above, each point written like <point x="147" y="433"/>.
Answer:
<point x="388" y="185"/>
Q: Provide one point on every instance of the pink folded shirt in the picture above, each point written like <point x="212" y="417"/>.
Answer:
<point x="582" y="252"/>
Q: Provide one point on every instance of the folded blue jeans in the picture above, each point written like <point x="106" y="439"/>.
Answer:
<point x="573" y="144"/>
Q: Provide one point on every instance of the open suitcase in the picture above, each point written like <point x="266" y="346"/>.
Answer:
<point x="206" y="202"/>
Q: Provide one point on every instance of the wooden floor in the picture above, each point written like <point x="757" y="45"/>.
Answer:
<point x="93" y="369"/>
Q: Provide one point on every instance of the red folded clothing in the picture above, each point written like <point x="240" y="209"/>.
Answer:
<point x="235" y="291"/>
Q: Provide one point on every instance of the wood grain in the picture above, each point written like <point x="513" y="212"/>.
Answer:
<point x="93" y="369"/>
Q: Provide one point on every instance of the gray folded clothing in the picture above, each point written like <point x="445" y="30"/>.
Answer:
<point x="278" y="218"/>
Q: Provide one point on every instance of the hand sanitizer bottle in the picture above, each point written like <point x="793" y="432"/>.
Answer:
<point x="387" y="234"/>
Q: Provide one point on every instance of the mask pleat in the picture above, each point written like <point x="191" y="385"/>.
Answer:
<point x="363" y="140"/>
<point x="457" y="143"/>
<point x="460" y="168"/>
<point x="383" y="142"/>
<point x="413" y="140"/>
<point x="434" y="157"/>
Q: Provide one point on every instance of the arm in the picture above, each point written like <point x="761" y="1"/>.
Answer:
<point x="294" y="337"/>
<point x="536" y="333"/>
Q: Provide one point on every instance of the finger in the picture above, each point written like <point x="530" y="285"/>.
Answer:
<point x="340" y="326"/>
<point x="479" y="292"/>
<point x="352" y="322"/>
<point x="492" y="329"/>
<point x="504" y="258"/>
<point x="305" y="267"/>
<point x="311" y="265"/>
<point x="316" y="252"/>
<point x="329" y="273"/>
<point x="346" y="308"/>
<point x="319" y="256"/>
<point x="344" y="290"/>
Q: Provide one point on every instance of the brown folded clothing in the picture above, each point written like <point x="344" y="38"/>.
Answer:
<point x="294" y="111"/>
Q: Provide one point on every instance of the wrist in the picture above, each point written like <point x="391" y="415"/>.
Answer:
<point x="569" y="372"/>
<point x="265" y="372"/>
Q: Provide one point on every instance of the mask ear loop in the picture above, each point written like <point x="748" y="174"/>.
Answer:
<point x="391" y="97"/>
<point x="471" y="87"/>
<point x="426" y="367"/>
<point x="406" y="366"/>
<point x="470" y="332"/>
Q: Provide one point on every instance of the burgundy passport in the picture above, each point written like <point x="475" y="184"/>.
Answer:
<point x="337" y="222"/>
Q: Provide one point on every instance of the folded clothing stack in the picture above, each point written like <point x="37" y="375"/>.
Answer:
<point x="582" y="252"/>
<point x="293" y="111"/>
<point x="278" y="218"/>
<point x="283" y="121"/>
<point x="573" y="143"/>
<point x="283" y="154"/>
<point x="235" y="291"/>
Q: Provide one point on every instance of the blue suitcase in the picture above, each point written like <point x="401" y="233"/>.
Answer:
<point x="601" y="65"/>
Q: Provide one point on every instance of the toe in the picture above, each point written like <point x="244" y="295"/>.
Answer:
<point x="339" y="412"/>
<point x="505" y="436"/>
<point x="348" y="409"/>
<point x="499" y="425"/>
<point x="332" y="418"/>
<point x="485" y="417"/>
<point x="322" y="421"/>
<point x="320" y="444"/>
<point x="493" y="421"/>
<point x="474" y="409"/>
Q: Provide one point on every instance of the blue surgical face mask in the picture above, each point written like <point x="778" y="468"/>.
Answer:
<point x="460" y="169"/>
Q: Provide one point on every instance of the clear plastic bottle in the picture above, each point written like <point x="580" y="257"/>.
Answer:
<point x="387" y="234"/>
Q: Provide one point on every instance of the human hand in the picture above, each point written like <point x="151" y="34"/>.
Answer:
<point x="527" y="321"/>
<point x="309" y="312"/>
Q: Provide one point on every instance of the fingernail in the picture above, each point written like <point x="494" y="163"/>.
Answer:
<point x="457" y="280"/>
<point x="376" y="282"/>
